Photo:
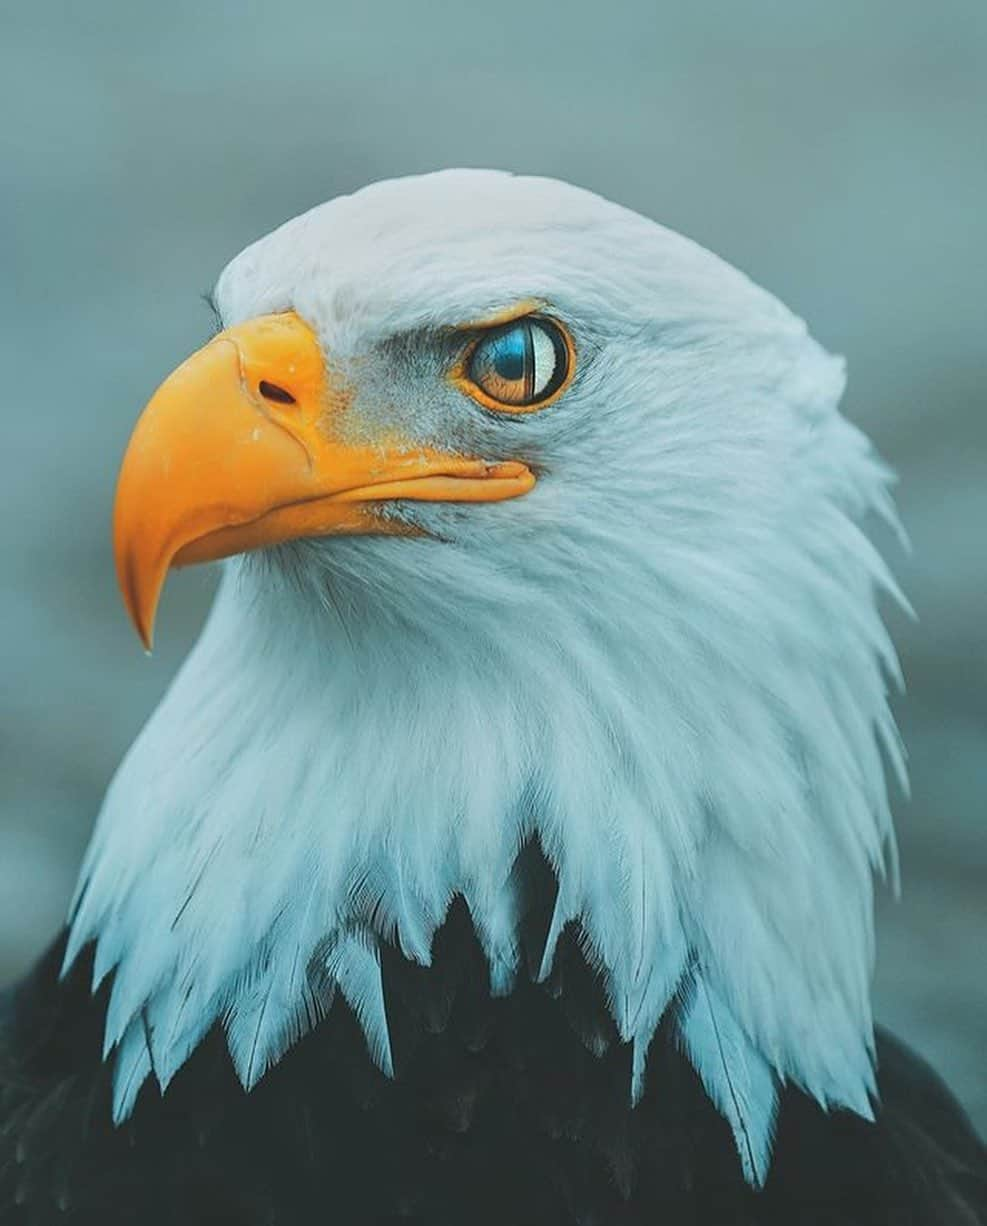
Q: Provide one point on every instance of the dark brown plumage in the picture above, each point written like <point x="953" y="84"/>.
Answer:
<point x="507" y="1111"/>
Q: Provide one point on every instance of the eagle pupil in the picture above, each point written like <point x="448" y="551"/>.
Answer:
<point x="511" y="354"/>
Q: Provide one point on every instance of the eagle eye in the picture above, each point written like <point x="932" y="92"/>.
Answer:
<point x="519" y="366"/>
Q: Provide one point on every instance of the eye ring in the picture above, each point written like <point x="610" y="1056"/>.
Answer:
<point x="519" y="366"/>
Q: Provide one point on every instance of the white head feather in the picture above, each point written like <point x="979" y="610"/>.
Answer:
<point x="666" y="662"/>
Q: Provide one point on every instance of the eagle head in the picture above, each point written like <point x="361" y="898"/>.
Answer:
<point x="541" y="524"/>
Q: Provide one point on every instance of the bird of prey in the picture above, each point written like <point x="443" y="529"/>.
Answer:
<point x="504" y="850"/>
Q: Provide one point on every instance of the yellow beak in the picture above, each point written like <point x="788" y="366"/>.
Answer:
<point x="241" y="448"/>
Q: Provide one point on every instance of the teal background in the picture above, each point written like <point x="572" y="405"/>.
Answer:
<point x="835" y="151"/>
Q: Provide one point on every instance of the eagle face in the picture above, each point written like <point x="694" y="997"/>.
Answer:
<point x="542" y="524"/>
<point x="355" y="390"/>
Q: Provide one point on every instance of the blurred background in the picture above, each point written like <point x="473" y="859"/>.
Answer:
<point x="833" y="150"/>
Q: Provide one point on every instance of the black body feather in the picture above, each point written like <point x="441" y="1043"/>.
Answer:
<point x="512" y="1111"/>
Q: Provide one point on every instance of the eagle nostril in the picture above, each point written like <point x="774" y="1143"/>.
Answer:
<point x="271" y="391"/>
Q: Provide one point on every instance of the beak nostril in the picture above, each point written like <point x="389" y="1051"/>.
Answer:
<point x="271" y="391"/>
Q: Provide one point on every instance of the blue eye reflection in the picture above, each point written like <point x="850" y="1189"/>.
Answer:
<point x="508" y="353"/>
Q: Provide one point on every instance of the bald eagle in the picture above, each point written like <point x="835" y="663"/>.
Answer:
<point x="504" y="850"/>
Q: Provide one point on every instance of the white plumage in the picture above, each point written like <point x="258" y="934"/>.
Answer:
<point x="666" y="662"/>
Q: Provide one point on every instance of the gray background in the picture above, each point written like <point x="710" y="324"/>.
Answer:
<point x="836" y="151"/>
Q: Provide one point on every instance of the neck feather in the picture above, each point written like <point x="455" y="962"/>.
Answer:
<point x="708" y="790"/>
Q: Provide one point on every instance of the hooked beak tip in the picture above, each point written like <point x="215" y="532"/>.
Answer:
<point x="139" y="598"/>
